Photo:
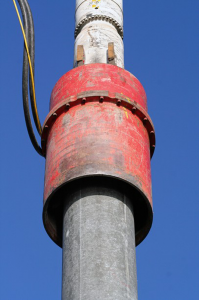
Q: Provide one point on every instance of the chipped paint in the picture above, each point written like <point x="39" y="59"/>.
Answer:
<point x="98" y="139"/>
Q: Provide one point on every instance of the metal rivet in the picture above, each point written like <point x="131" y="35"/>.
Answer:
<point x="145" y="120"/>
<point x="83" y="100"/>
<point x="134" y="109"/>
<point x="46" y="127"/>
<point x="101" y="99"/>
<point x="67" y="106"/>
<point x="118" y="102"/>
<point x="152" y="132"/>
<point x="54" y="115"/>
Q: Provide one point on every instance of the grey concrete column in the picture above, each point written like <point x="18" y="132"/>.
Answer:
<point x="99" y="261"/>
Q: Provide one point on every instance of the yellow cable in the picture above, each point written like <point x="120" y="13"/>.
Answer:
<point x="31" y="71"/>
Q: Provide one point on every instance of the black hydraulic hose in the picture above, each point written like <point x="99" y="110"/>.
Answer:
<point x="31" y="34"/>
<point x="32" y="56"/>
<point x="25" y="83"/>
<point x="30" y="30"/>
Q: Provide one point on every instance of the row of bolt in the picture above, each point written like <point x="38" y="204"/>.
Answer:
<point x="101" y="100"/>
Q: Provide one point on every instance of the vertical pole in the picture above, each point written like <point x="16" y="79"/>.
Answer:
<point x="99" y="260"/>
<point x="98" y="23"/>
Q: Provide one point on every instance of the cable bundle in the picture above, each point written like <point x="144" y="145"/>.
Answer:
<point x="28" y="70"/>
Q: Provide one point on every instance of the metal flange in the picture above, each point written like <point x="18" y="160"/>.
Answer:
<point x="102" y="97"/>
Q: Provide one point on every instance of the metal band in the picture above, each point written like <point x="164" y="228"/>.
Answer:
<point x="98" y="96"/>
<point x="99" y="18"/>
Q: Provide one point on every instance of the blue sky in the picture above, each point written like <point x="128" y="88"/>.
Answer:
<point x="161" y="41"/>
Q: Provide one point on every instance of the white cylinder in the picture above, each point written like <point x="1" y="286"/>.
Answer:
<point x="113" y="9"/>
<point x="95" y="37"/>
<point x="98" y="23"/>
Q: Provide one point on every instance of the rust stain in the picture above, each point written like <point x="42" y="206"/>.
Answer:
<point x="101" y="139"/>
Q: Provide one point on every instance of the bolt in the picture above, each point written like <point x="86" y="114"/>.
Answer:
<point x="83" y="100"/>
<point x="118" y="102"/>
<point x="101" y="99"/>
<point x="67" y="106"/>
<point x="134" y="110"/>
<point x="145" y="120"/>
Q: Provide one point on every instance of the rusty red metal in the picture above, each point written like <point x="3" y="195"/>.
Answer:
<point x="99" y="77"/>
<point x="98" y="126"/>
<point x="93" y="96"/>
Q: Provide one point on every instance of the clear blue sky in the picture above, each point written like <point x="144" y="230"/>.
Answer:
<point x="162" y="50"/>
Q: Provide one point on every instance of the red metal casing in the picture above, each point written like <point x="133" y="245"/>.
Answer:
<point x="98" y="126"/>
